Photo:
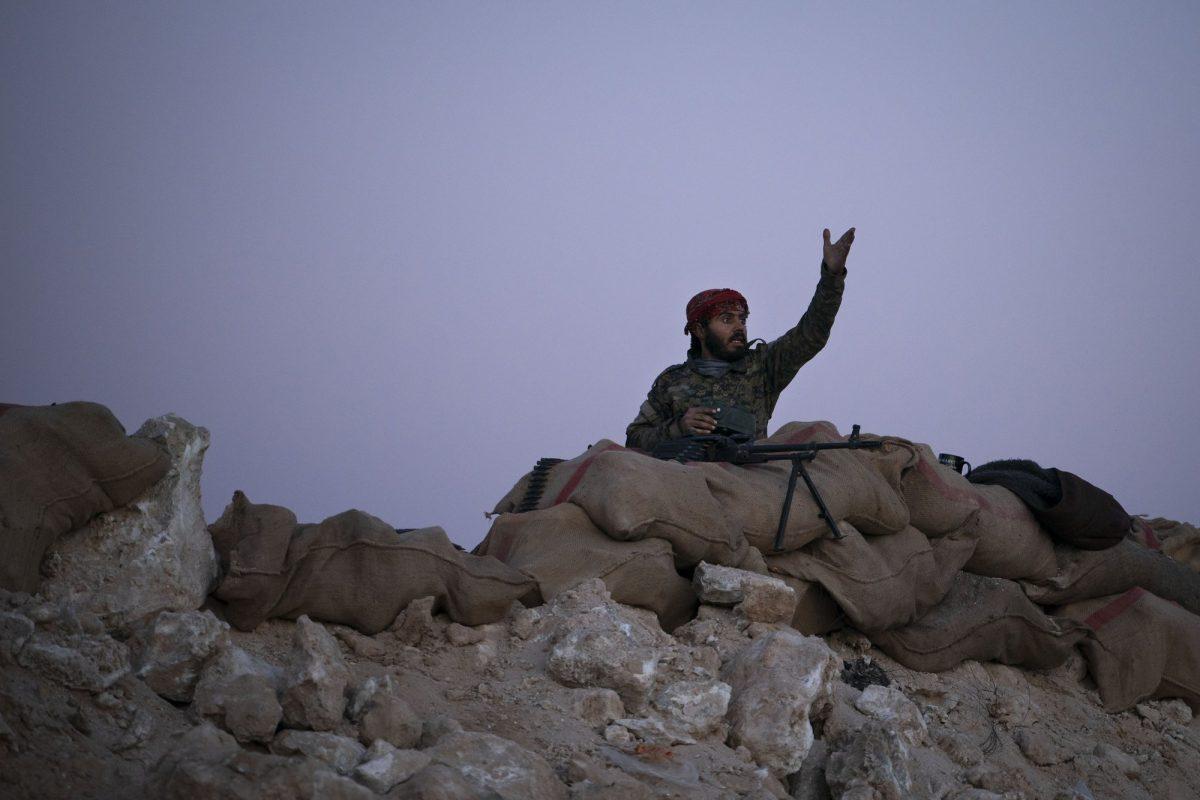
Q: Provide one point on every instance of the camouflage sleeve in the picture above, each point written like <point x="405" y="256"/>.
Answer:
<point x="795" y="348"/>
<point x="656" y="422"/>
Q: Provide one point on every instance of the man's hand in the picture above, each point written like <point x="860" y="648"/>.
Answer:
<point x="835" y="254"/>
<point x="699" y="420"/>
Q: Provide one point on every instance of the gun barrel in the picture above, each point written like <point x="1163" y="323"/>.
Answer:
<point x="815" y="446"/>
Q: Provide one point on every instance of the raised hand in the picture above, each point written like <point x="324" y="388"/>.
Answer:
<point x="835" y="254"/>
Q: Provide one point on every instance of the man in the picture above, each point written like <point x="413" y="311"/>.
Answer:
<point x="723" y="370"/>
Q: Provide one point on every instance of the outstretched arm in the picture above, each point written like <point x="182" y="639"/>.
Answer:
<point x="795" y="348"/>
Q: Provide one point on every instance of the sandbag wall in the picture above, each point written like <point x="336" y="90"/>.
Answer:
<point x="934" y="569"/>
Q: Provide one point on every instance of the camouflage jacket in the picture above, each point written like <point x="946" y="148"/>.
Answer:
<point x="754" y="383"/>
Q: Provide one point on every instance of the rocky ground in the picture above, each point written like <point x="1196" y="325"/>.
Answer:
<point x="579" y="698"/>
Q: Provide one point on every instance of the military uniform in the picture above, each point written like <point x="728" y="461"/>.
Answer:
<point x="754" y="383"/>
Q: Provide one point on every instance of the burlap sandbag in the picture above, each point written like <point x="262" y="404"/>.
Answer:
<point x="560" y="548"/>
<point x="1179" y="540"/>
<point x="1141" y="647"/>
<point x="851" y="483"/>
<point x="60" y="466"/>
<point x="981" y="619"/>
<point x="559" y="482"/>
<point x="940" y="501"/>
<point x="1087" y="574"/>
<point x="352" y="569"/>
<point x="1011" y="544"/>
<point x="631" y="496"/>
<point x="880" y="582"/>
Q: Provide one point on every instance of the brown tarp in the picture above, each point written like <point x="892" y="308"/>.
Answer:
<point x="60" y="466"/>
<point x="1141" y="647"/>
<point x="352" y="569"/>
<point x="981" y="619"/>
<point x="560" y="548"/>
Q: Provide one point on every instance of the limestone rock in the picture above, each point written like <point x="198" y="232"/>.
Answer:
<point x="597" y="707"/>
<point x="152" y="555"/>
<point x="758" y="598"/>
<point x="415" y="624"/>
<point x="889" y="705"/>
<point x="1124" y="762"/>
<point x="206" y="764"/>
<point x="360" y="645"/>
<point x="1040" y="748"/>
<point x="239" y="691"/>
<point x="776" y="682"/>
<point x="696" y="708"/>
<point x="388" y="769"/>
<point x="340" y="753"/>
<point x="606" y="645"/>
<point x="76" y="660"/>
<point x="15" y="630"/>
<point x="381" y="713"/>
<point x="173" y="649"/>
<point x="461" y="635"/>
<point x="315" y="693"/>
<point x="871" y="762"/>
<point x="433" y="729"/>
<point x="490" y="763"/>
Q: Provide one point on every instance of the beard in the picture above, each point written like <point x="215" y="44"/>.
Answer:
<point x="732" y="350"/>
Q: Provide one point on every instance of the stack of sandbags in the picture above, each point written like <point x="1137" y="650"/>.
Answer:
<point x="560" y="548"/>
<point x="352" y="569"/>
<point x="981" y="619"/>
<point x="1141" y="647"/>
<point x="880" y="582"/>
<point x="60" y="466"/>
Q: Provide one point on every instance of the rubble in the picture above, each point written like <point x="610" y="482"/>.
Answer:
<point x="341" y="753"/>
<point x="173" y="649"/>
<point x="152" y="555"/>
<point x="386" y="767"/>
<point x="490" y="763"/>
<point x="240" y="692"/>
<point x="382" y="714"/>
<point x="758" y="598"/>
<point x="315" y="685"/>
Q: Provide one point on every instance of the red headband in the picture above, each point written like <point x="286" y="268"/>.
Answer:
<point x="712" y="302"/>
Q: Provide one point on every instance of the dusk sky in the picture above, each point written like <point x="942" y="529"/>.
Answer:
<point x="390" y="254"/>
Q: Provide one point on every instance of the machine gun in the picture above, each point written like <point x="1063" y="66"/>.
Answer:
<point x="733" y="447"/>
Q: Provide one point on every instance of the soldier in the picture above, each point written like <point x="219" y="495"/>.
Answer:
<point x="723" y="370"/>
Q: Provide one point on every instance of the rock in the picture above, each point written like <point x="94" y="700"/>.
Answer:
<point x="1012" y="708"/>
<point x="381" y="713"/>
<point x="618" y="735"/>
<point x="758" y="598"/>
<point x="1040" y="748"/>
<point x="315" y="684"/>
<point x="809" y="781"/>
<point x="433" y="729"/>
<point x="490" y="763"/>
<point x="173" y="649"/>
<point x="15" y="630"/>
<point x="415" y="624"/>
<point x="605" y="645"/>
<point x="154" y="554"/>
<point x="438" y="782"/>
<point x="339" y="752"/>
<point x="872" y="762"/>
<point x="77" y="661"/>
<point x="695" y="708"/>
<point x="1125" y="763"/>
<point x="776" y="682"/>
<point x="596" y="707"/>
<point x="362" y="646"/>
<point x="889" y="705"/>
<point x="380" y="774"/>
<point x="961" y="751"/>
<point x="239" y="691"/>
<point x="206" y="764"/>
<point x="461" y="635"/>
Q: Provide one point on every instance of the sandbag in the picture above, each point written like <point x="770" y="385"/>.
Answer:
<point x="352" y="568"/>
<point x="556" y="483"/>
<point x="1011" y="544"/>
<point x="1141" y="647"/>
<point x="880" y="582"/>
<point x="981" y="619"/>
<point x="852" y="484"/>
<point x="1179" y="540"/>
<point x="940" y="501"/>
<point x="560" y="548"/>
<point x="631" y="496"/>
<point x="1087" y="574"/>
<point x="60" y="466"/>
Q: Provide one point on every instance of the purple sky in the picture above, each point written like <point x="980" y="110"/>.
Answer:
<point x="390" y="254"/>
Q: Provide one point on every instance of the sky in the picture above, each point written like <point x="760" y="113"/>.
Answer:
<point x="391" y="254"/>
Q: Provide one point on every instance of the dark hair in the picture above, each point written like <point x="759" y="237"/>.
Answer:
<point x="694" y="350"/>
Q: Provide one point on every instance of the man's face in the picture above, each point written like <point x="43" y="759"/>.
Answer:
<point x="724" y="336"/>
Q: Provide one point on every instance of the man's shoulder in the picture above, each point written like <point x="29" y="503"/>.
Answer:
<point x="673" y="373"/>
